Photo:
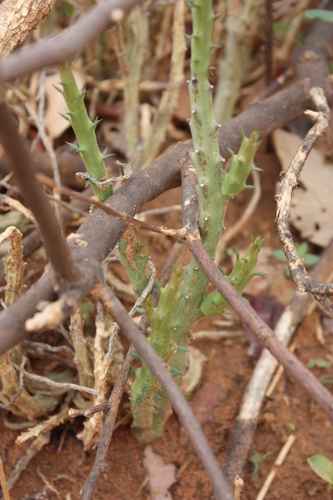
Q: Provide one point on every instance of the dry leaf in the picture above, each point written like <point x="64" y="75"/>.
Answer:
<point x="161" y="476"/>
<point x="312" y="206"/>
<point x="54" y="122"/>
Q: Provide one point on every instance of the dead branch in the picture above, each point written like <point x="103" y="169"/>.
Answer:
<point x="138" y="224"/>
<point x="18" y="18"/>
<point x="247" y="419"/>
<point x="286" y="189"/>
<point x="55" y="244"/>
<point x="266" y="336"/>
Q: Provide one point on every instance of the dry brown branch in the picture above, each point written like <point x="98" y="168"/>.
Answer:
<point x="112" y="305"/>
<point x="286" y="188"/>
<point x="266" y="336"/>
<point x="247" y="419"/>
<point x="138" y="224"/>
<point x="55" y="244"/>
<point x="18" y="18"/>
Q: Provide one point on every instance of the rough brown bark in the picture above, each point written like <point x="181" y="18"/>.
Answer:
<point x="18" y="18"/>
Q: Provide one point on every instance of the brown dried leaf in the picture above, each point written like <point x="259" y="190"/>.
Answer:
<point x="161" y="476"/>
<point x="312" y="206"/>
<point x="54" y="122"/>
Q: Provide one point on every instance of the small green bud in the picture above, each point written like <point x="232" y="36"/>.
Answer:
<point x="65" y="117"/>
<point x="176" y="371"/>
<point x="73" y="146"/>
<point x="135" y="355"/>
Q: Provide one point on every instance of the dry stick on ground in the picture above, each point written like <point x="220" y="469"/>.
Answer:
<point x="278" y="462"/>
<point x="55" y="244"/>
<point x="286" y="189"/>
<point x="100" y="233"/>
<point x="254" y="394"/>
<point x="113" y="403"/>
<point x="114" y="307"/>
<point x="266" y="336"/>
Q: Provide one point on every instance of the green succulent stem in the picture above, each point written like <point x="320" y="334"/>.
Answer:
<point x="239" y="277"/>
<point x="150" y="405"/>
<point x="215" y="189"/>
<point x="134" y="257"/>
<point x="84" y="130"/>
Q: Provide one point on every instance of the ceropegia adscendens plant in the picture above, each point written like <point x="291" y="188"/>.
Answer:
<point x="215" y="189"/>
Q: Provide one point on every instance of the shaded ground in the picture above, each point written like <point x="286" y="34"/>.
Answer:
<point x="65" y="465"/>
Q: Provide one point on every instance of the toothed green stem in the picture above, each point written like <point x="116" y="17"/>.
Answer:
<point x="150" y="405"/>
<point x="134" y="257"/>
<point x="241" y="166"/>
<point x="214" y="194"/>
<point x="209" y="167"/>
<point x="232" y="68"/>
<point x="241" y="274"/>
<point x="204" y="129"/>
<point x="84" y="130"/>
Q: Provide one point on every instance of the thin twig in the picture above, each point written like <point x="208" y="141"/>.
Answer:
<point x="40" y="346"/>
<point x="44" y="380"/>
<point x="158" y="211"/>
<point x="266" y="336"/>
<point x="178" y="233"/>
<point x="303" y="281"/>
<point x="88" y="412"/>
<point x="137" y="304"/>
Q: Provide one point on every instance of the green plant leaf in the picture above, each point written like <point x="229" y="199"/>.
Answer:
<point x="323" y="467"/>
<point x="279" y="255"/>
<point x="324" y="15"/>
<point x="256" y="460"/>
<point x="292" y="427"/>
<point x="320" y="363"/>
<point x="310" y="259"/>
